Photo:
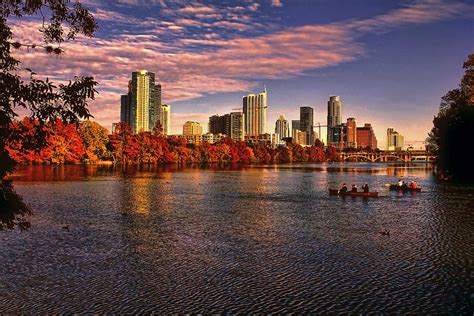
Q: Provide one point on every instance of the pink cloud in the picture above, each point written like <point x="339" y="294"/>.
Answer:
<point x="277" y="3"/>
<point x="230" y="66"/>
<point x="197" y="8"/>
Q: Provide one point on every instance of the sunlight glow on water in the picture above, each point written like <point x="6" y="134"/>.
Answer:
<point x="258" y="239"/>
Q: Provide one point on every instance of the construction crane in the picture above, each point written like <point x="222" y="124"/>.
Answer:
<point x="319" y="129"/>
<point x="421" y="143"/>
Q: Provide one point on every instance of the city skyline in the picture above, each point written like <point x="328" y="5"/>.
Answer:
<point x="390" y="62"/>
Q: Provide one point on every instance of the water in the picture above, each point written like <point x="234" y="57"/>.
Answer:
<point x="261" y="239"/>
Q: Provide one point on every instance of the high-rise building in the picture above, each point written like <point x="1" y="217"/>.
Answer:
<point x="339" y="136"/>
<point x="395" y="141"/>
<point x="237" y="126"/>
<point x="351" y="133"/>
<point x="366" y="137"/>
<point x="306" y="123"/>
<point x="156" y="110"/>
<point x="164" y="117"/>
<point x="125" y="109"/>
<point x="219" y="124"/>
<point x="295" y="125"/>
<point x="140" y="107"/>
<point x="142" y="100"/>
<point x="255" y="113"/>
<point x="192" y="128"/>
<point x="282" y="127"/>
<point x="334" y="117"/>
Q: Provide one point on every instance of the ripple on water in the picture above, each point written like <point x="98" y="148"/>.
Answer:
<point x="259" y="240"/>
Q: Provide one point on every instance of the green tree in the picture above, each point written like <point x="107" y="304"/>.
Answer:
<point x="45" y="101"/>
<point x="452" y="128"/>
<point x="95" y="138"/>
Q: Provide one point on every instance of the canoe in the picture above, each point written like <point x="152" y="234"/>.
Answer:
<point x="396" y="187"/>
<point x="367" y="194"/>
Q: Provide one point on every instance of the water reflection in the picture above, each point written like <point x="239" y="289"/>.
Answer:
<point x="262" y="239"/>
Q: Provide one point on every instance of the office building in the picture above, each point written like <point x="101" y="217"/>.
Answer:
<point x="192" y="128"/>
<point x="306" y="123"/>
<point x="237" y="126"/>
<point x="298" y="137"/>
<point x="366" y="137"/>
<point x="334" y="117"/>
<point x="282" y="127"/>
<point x="125" y="109"/>
<point x="164" y="117"/>
<point x="255" y="113"/>
<point x="395" y="141"/>
<point x="351" y="133"/>
<point x="295" y="125"/>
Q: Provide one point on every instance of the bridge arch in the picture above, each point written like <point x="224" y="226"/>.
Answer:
<point x="345" y="158"/>
<point x="383" y="157"/>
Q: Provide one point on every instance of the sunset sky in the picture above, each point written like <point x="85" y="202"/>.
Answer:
<point x="390" y="61"/>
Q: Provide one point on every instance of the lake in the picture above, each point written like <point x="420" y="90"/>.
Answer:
<point x="261" y="239"/>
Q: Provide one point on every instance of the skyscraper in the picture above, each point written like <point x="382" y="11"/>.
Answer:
<point x="395" y="141"/>
<point x="334" y="117"/>
<point x="237" y="126"/>
<point x="282" y="127"/>
<point x="140" y="107"/>
<point x="306" y="123"/>
<point x="156" y="111"/>
<point x="255" y="113"/>
<point x="124" y="109"/>
<point x="164" y="118"/>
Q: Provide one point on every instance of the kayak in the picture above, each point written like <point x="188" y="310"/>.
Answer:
<point x="396" y="187"/>
<point x="349" y="193"/>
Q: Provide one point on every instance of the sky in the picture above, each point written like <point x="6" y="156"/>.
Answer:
<point x="389" y="61"/>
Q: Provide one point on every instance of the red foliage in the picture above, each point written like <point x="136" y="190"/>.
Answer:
<point x="65" y="146"/>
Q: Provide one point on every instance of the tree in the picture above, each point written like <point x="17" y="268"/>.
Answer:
<point x="64" y="144"/>
<point x="452" y="127"/>
<point x="44" y="100"/>
<point x="122" y="145"/>
<point x="94" y="137"/>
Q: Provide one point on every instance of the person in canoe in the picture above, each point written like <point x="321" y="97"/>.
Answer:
<point x="400" y="182"/>
<point x="343" y="190"/>
<point x="413" y="185"/>
<point x="404" y="186"/>
<point x="365" y="188"/>
<point x="354" y="188"/>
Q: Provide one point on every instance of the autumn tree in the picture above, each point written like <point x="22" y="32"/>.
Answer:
<point x="60" y="21"/>
<point x="122" y="145"/>
<point x="64" y="145"/>
<point x="453" y="127"/>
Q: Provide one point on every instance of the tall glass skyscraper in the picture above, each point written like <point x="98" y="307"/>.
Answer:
<point x="306" y="123"/>
<point x="255" y="113"/>
<point x="140" y="108"/>
<point x="334" y="117"/>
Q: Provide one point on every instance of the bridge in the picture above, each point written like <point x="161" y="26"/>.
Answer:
<point x="388" y="156"/>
